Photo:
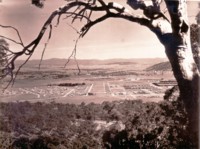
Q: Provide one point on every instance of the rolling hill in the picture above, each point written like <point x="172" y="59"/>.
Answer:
<point x="134" y="64"/>
<point x="163" y="66"/>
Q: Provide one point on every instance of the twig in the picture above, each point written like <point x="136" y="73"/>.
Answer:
<point x="16" y="30"/>
<point x="74" y="28"/>
<point x="12" y="40"/>
<point x="50" y="32"/>
<point x="73" y="54"/>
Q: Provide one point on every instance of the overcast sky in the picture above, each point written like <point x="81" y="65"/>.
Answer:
<point x="113" y="38"/>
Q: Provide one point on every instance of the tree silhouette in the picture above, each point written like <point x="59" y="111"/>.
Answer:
<point x="195" y="41"/>
<point x="173" y="32"/>
<point x="38" y="3"/>
<point x="4" y="47"/>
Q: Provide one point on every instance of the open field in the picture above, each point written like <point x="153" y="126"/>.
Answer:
<point x="105" y="82"/>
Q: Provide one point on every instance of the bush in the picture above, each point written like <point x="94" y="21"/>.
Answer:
<point x="123" y="124"/>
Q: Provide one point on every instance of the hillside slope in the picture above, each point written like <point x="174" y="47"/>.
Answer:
<point x="163" y="66"/>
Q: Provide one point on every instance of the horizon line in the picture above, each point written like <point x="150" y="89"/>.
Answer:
<point x="94" y="58"/>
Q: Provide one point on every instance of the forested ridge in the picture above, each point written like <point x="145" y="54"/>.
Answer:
<point x="118" y="124"/>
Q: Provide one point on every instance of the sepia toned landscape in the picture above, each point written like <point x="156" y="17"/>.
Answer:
<point x="115" y="103"/>
<point x="98" y="81"/>
<point x="99" y="74"/>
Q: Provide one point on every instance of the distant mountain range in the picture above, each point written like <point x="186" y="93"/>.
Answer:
<point x="149" y="64"/>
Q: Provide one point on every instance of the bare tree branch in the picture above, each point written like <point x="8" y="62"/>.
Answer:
<point x="12" y="40"/>
<point x="19" y="36"/>
<point x="73" y="54"/>
<point x="178" y="15"/>
<point x="73" y="28"/>
<point x="77" y="10"/>
<point x="27" y="50"/>
<point x="6" y="49"/>
<point x="50" y="32"/>
<point x="151" y="11"/>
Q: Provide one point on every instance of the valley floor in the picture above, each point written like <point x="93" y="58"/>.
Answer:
<point x="87" y="88"/>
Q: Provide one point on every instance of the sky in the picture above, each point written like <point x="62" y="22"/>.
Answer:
<point x="113" y="38"/>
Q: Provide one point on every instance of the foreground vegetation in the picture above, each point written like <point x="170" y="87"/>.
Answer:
<point x="110" y="125"/>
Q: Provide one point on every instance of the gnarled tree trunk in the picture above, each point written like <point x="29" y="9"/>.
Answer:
<point x="187" y="76"/>
<point x="178" y="50"/>
<point x="175" y="36"/>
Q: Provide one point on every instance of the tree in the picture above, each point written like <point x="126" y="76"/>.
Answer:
<point x="3" y="50"/>
<point x="195" y="29"/>
<point x="195" y="43"/>
<point x="173" y="32"/>
<point x="38" y="3"/>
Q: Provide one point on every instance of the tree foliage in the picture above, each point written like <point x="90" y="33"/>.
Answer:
<point x="3" y="53"/>
<point x="38" y="3"/>
<point x="195" y="41"/>
<point x="128" y="124"/>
